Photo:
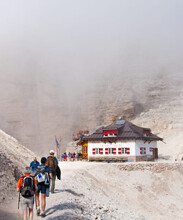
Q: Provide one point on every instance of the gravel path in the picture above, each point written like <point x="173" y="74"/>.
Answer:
<point x="90" y="191"/>
<point x="79" y="195"/>
<point x="102" y="191"/>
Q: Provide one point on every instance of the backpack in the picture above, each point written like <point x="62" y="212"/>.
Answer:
<point x="52" y="163"/>
<point x="28" y="187"/>
<point x="58" y="173"/>
<point x="42" y="176"/>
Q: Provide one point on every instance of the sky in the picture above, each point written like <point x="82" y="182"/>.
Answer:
<point x="62" y="48"/>
<point x="84" y="39"/>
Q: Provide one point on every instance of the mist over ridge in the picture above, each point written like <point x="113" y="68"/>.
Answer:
<point x="73" y="65"/>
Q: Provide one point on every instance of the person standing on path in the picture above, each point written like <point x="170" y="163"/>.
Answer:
<point x="26" y="186"/>
<point x="34" y="164"/>
<point x="52" y="163"/>
<point x="43" y="176"/>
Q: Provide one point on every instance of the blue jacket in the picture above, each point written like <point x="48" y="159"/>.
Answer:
<point x="34" y="165"/>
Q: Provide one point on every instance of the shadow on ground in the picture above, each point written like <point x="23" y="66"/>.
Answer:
<point x="68" y="216"/>
<point x="64" y="206"/>
<point x="69" y="191"/>
<point x="4" y="215"/>
<point x="71" y="210"/>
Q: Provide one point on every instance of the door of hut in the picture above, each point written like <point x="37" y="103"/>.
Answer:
<point x="155" y="153"/>
<point x="85" y="150"/>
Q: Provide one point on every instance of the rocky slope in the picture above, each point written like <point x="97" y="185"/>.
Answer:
<point x="166" y="121"/>
<point x="13" y="158"/>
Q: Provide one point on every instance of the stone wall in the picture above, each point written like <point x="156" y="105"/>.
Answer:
<point x="107" y="158"/>
<point x="121" y="158"/>
<point x="154" y="167"/>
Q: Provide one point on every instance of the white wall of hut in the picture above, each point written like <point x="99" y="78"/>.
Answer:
<point x="134" y="146"/>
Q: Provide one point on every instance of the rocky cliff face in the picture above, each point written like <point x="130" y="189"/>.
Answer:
<point x="166" y="120"/>
<point x="36" y="108"/>
<point x="155" y="102"/>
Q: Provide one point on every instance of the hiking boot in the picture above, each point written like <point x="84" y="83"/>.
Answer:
<point x="43" y="215"/>
<point x="38" y="211"/>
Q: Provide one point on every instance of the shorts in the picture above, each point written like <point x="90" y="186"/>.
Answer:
<point x="42" y="189"/>
<point x="27" y="202"/>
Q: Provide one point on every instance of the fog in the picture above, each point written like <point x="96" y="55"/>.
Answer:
<point x="54" y="53"/>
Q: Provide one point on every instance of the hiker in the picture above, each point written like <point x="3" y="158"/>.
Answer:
<point x="69" y="155"/>
<point x="26" y="186"/>
<point x="62" y="157"/>
<point x="52" y="162"/>
<point x="65" y="156"/>
<point x="77" y="156"/>
<point x="43" y="175"/>
<point x="34" y="164"/>
<point x="74" y="156"/>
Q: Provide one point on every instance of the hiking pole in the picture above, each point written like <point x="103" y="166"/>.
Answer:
<point x="18" y="205"/>
<point x="18" y="199"/>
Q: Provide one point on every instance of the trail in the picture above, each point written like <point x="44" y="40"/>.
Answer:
<point x="113" y="191"/>
<point x="79" y="195"/>
<point x="90" y="190"/>
<point x="65" y="202"/>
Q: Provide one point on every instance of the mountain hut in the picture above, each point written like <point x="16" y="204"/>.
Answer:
<point x="121" y="141"/>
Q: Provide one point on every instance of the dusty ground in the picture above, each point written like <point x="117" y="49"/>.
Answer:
<point x="108" y="191"/>
<point x="105" y="191"/>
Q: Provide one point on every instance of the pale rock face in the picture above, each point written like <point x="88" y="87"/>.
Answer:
<point x="36" y="109"/>
<point x="160" y="109"/>
<point x="72" y="147"/>
<point x="170" y="113"/>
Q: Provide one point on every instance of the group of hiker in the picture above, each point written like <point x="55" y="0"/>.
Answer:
<point x="71" y="156"/>
<point x="38" y="179"/>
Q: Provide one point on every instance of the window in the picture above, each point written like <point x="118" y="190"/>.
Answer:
<point x="146" y="132"/>
<point x="85" y="150"/>
<point x="97" y="151"/>
<point x="124" y="150"/>
<point x="110" y="133"/>
<point x="142" y="150"/>
<point x="119" y="150"/>
<point x="106" y="150"/>
<point x="151" y="149"/>
<point x="127" y="150"/>
<point x="112" y="150"/>
<point x="93" y="151"/>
